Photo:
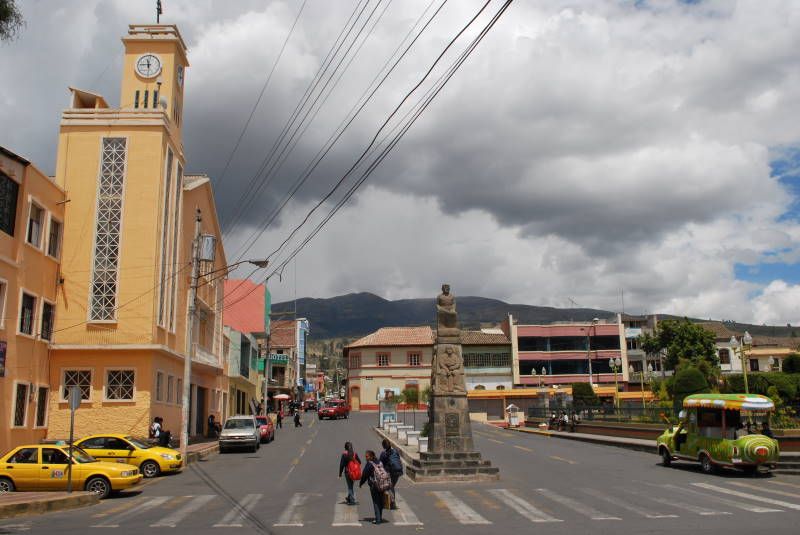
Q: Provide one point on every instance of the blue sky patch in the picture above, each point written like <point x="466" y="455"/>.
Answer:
<point x="766" y="273"/>
<point x="786" y="167"/>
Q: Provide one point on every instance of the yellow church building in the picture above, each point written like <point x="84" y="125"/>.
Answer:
<point x="122" y="310"/>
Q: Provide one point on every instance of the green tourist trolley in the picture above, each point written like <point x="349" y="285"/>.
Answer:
<point x="711" y="432"/>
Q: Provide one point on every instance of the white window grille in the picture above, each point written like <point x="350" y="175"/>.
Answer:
<point x="103" y="301"/>
<point x="414" y="359"/>
<point x="120" y="384"/>
<point x="80" y="378"/>
<point x="383" y="359"/>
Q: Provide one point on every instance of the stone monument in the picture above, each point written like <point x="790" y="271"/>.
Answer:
<point x="449" y="413"/>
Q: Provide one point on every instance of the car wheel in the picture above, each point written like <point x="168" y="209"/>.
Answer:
<point x="6" y="485"/>
<point x="706" y="465"/>
<point x="150" y="469"/>
<point x="345" y="416"/>
<point x="666" y="457"/>
<point x="100" y="486"/>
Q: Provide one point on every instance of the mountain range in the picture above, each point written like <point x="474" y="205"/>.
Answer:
<point x="358" y="314"/>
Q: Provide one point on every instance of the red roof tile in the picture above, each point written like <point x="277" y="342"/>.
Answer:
<point x="480" y="338"/>
<point x="244" y="305"/>
<point x="396" y="336"/>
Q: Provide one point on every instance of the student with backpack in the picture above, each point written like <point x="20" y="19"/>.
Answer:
<point x="350" y="465"/>
<point x="390" y="459"/>
<point x="379" y="483"/>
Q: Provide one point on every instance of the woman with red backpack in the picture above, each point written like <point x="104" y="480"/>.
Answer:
<point x="350" y="464"/>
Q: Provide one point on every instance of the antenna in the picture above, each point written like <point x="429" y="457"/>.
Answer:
<point x="159" y="11"/>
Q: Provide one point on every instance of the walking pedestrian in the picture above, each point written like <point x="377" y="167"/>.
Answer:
<point x="279" y="419"/>
<point x="379" y="483"/>
<point x="390" y="459"/>
<point x="350" y="465"/>
<point x="297" y="422"/>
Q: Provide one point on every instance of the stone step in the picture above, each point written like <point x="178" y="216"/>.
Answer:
<point x="430" y="456"/>
<point x="451" y="464"/>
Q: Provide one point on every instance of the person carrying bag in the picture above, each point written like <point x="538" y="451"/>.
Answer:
<point x="350" y="465"/>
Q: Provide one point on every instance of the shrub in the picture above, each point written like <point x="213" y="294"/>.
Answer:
<point x="583" y="395"/>
<point x="687" y="381"/>
<point x="791" y="364"/>
<point x="786" y="385"/>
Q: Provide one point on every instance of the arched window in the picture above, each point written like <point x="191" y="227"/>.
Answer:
<point x="501" y="387"/>
<point x="480" y="387"/>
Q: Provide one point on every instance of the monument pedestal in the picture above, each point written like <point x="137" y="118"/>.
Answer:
<point x="450" y="426"/>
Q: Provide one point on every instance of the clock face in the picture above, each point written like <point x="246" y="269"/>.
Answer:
<point x="148" y="65"/>
<point x="180" y="75"/>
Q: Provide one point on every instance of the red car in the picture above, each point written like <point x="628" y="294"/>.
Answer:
<point x="334" y="409"/>
<point x="265" y="428"/>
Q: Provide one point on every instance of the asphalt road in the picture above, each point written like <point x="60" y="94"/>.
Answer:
<point x="547" y="485"/>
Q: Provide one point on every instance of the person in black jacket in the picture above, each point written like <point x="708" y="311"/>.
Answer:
<point x="348" y="455"/>
<point x="375" y="493"/>
<point x="394" y="475"/>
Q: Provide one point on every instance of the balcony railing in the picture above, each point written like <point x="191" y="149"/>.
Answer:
<point x="204" y="356"/>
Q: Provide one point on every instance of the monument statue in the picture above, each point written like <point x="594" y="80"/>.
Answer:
<point x="446" y="315"/>
<point x="450" y="371"/>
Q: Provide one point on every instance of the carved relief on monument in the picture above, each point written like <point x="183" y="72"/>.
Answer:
<point x="448" y="372"/>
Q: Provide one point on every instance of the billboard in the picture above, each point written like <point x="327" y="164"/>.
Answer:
<point x="302" y="333"/>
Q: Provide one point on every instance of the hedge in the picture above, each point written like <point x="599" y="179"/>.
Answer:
<point x="788" y="385"/>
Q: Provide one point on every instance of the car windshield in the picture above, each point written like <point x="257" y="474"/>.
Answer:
<point x="139" y="443"/>
<point x="334" y="403"/>
<point x="81" y="456"/>
<point x="262" y="420"/>
<point x="239" y="424"/>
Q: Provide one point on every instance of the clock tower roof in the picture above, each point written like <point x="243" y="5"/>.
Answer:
<point x="154" y="33"/>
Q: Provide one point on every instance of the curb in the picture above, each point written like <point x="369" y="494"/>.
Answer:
<point x="199" y="455"/>
<point x="49" y="504"/>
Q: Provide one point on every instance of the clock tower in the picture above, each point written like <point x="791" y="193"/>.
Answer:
<point x="154" y="70"/>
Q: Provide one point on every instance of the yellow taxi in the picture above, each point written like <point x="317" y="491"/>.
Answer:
<point x="45" y="467"/>
<point x="151" y="460"/>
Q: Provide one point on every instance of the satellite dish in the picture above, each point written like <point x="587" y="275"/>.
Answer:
<point x="163" y="102"/>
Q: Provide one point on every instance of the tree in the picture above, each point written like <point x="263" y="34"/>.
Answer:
<point x="791" y="364"/>
<point x="411" y="395"/>
<point x="583" y="395"/>
<point x="682" y="340"/>
<point x="688" y="381"/>
<point x="10" y="20"/>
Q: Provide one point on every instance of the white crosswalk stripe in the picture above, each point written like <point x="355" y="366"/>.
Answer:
<point x="725" y="501"/>
<point x="344" y="514"/>
<point x="627" y="506"/>
<point x="172" y="520"/>
<point x="521" y="506"/>
<point x="677" y="504"/>
<point x="146" y="505"/>
<point x="460" y="510"/>
<point x="576" y="506"/>
<point x="777" y="491"/>
<point x="403" y="515"/>
<point x="235" y="517"/>
<point x="293" y="515"/>
<point x="749" y="496"/>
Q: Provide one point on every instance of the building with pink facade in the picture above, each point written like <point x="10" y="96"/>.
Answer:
<point x="562" y="353"/>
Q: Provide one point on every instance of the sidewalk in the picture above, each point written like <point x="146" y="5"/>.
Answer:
<point x="35" y="503"/>
<point x="789" y="461"/>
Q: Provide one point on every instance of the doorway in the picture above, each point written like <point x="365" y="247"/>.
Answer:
<point x="355" y="398"/>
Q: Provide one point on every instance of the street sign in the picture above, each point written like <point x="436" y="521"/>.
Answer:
<point x="74" y="402"/>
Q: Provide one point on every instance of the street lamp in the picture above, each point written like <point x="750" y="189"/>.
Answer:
<point x="771" y="362"/>
<point x="747" y="340"/>
<point x="595" y="321"/>
<point x="615" y="364"/>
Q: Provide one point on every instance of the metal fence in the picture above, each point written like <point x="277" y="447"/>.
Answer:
<point x="607" y="413"/>
<point x="786" y="417"/>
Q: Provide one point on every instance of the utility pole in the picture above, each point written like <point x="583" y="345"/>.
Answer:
<point x="190" y="332"/>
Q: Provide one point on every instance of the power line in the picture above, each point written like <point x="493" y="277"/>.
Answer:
<point x="430" y="96"/>
<point x="334" y="138"/>
<point x="377" y="134"/>
<point x="261" y="93"/>
<point x="247" y="194"/>
<point x="442" y="81"/>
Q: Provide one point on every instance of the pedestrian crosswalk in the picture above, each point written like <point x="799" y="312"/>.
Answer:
<point x="474" y="506"/>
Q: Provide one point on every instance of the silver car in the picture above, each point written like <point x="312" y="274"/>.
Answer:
<point x="239" y="432"/>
